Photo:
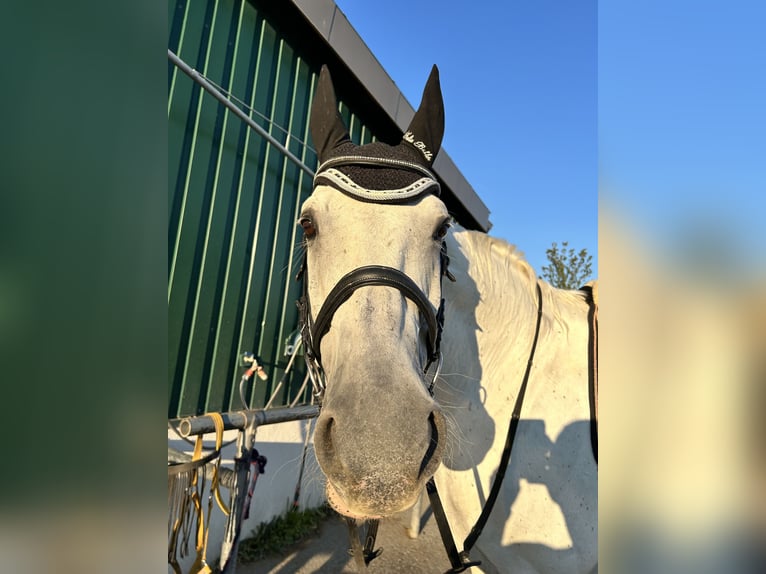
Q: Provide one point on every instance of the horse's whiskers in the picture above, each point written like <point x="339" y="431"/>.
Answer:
<point x="463" y="375"/>
<point x="455" y="430"/>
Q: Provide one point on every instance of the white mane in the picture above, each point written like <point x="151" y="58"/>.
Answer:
<point x="497" y="265"/>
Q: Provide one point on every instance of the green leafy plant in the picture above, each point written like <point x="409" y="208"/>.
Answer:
<point x="567" y="269"/>
<point x="277" y="535"/>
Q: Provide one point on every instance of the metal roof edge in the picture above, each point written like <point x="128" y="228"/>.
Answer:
<point x="333" y="25"/>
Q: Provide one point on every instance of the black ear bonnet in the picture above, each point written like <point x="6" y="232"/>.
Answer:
<point x="397" y="172"/>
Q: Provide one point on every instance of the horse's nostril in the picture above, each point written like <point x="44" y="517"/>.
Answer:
<point x="325" y="430"/>
<point x="432" y="444"/>
<point x="324" y="446"/>
<point x="324" y="443"/>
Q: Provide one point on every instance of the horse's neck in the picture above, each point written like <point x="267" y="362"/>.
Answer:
<point x="545" y="516"/>
<point x="491" y="323"/>
<point x="494" y="296"/>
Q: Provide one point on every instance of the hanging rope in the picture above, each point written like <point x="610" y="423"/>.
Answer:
<point x="255" y="368"/>
<point x="186" y="483"/>
<point x="258" y="369"/>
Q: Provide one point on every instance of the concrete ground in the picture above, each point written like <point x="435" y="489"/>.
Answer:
<point x="328" y="552"/>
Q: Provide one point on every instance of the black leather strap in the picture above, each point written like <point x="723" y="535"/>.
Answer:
<point x="512" y="428"/>
<point x="367" y="276"/>
<point x="461" y="561"/>
<point x="363" y="555"/>
<point x="593" y="369"/>
<point x="177" y="467"/>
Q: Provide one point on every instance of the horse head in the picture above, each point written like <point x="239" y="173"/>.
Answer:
<point x="373" y="232"/>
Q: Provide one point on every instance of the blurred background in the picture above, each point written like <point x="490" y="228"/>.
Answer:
<point x="683" y="287"/>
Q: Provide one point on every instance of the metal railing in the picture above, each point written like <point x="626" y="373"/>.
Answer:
<point x="229" y="105"/>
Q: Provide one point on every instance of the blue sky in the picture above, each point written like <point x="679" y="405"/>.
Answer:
<point x="658" y="103"/>
<point x="682" y="127"/>
<point x="520" y="95"/>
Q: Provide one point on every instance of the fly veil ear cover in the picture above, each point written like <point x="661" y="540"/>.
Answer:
<point x="327" y="128"/>
<point x="376" y="171"/>
<point x="427" y="126"/>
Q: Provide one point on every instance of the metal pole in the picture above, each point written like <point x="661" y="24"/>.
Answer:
<point x="190" y="426"/>
<point x="216" y="93"/>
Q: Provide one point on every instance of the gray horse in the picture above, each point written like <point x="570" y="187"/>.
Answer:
<point x="419" y="374"/>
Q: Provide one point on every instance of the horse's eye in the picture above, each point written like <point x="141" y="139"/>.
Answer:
<point x="441" y="232"/>
<point x="309" y="229"/>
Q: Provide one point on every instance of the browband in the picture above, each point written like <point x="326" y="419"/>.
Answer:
<point x="341" y="181"/>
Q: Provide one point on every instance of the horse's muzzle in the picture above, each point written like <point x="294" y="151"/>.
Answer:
<point x="382" y="475"/>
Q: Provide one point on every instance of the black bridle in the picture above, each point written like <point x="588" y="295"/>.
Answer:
<point x="313" y="331"/>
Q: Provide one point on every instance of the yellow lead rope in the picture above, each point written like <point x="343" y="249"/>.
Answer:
<point x="200" y="565"/>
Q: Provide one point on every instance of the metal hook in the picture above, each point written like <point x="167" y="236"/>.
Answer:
<point x="436" y="374"/>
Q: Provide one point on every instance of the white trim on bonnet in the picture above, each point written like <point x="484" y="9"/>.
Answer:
<point x="347" y="185"/>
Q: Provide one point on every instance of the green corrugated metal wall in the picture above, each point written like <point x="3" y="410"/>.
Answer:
<point x="233" y="201"/>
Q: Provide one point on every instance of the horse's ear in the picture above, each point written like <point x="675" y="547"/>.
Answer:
<point x="326" y="125"/>
<point x="427" y="126"/>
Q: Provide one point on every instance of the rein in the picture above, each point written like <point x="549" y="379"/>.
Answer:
<point x="461" y="561"/>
